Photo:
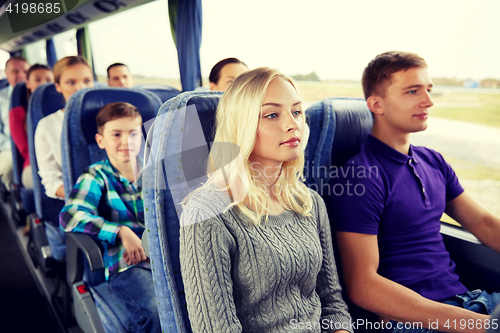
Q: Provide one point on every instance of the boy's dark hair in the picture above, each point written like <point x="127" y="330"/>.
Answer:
<point x="377" y="75"/>
<point x="215" y="72"/>
<point x="37" y="67"/>
<point x="116" y="64"/>
<point x="15" y="57"/>
<point x="114" y="111"/>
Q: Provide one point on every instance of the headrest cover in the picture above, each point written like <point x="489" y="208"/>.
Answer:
<point x="46" y="100"/>
<point x="338" y="127"/>
<point x="91" y="100"/>
<point x="354" y="122"/>
<point x="206" y="106"/>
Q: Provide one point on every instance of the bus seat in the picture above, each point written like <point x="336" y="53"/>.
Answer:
<point x="79" y="150"/>
<point x="164" y="92"/>
<point x="23" y="199"/>
<point x="168" y="141"/>
<point x="338" y="128"/>
<point x="45" y="225"/>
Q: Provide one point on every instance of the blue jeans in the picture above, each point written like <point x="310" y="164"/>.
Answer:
<point x="135" y="288"/>
<point x="477" y="301"/>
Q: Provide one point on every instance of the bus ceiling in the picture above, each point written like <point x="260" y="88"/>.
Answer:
<point x="25" y="22"/>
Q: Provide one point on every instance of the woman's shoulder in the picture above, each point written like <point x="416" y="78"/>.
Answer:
<point x="48" y="120"/>
<point x="316" y="198"/>
<point x="318" y="204"/>
<point x="206" y="203"/>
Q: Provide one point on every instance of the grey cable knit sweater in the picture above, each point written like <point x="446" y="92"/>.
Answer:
<point x="278" y="277"/>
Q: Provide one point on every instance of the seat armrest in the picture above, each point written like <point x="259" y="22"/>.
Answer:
<point x="76" y="245"/>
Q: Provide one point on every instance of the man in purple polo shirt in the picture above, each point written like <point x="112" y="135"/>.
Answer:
<point x="394" y="260"/>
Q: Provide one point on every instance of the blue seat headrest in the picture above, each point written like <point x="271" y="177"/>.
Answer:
<point x="206" y="108"/>
<point x="354" y="122"/>
<point x="19" y="96"/>
<point x="338" y="128"/>
<point x="88" y="102"/>
<point x="46" y="100"/>
<point x="79" y="146"/>
<point x="164" y="92"/>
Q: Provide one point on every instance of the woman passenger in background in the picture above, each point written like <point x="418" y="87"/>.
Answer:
<point x="70" y="75"/>
<point x="255" y="242"/>
<point x="224" y="72"/>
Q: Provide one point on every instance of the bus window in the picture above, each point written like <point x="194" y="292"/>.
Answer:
<point x="139" y="38"/>
<point x="35" y="53"/>
<point x="3" y="58"/>
<point x="65" y="44"/>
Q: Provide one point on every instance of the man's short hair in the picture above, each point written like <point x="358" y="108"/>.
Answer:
<point x="116" y="64"/>
<point x="377" y="75"/>
<point x="114" y="111"/>
<point x="214" y="76"/>
<point x="16" y="57"/>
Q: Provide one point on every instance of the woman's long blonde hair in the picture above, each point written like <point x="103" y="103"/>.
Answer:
<point x="237" y="122"/>
<point x="66" y="62"/>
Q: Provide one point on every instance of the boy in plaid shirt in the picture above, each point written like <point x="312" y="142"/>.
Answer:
<point x="106" y="203"/>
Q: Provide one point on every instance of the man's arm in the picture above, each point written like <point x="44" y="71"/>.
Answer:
<point x="388" y="299"/>
<point x="477" y="220"/>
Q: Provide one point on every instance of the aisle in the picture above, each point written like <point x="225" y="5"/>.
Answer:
<point x="23" y="309"/>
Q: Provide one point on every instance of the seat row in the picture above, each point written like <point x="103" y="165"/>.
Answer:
<point x="47" y="244"/>
<point x="179" y="134"/>
<point x="179" y="144"/>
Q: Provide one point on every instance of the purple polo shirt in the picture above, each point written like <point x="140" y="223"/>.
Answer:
<point x="400" y="198"/>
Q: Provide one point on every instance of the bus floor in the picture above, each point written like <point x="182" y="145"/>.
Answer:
<point x="23" y="308"/>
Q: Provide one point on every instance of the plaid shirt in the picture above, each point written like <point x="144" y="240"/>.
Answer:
<point x="99" y="204"/>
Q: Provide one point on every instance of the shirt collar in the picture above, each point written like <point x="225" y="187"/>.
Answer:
<point x="118" y="175"/>
<point x="381" y="148"/>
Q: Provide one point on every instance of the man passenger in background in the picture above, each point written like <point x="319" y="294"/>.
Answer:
<point x="16" y="69"/>
<point x="119" y="76"/>
<point x="224" y="72"/>
<point x="394" y="259"/>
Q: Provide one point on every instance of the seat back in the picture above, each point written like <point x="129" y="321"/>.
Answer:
<point x="182" y="129"/>
<point x="18" y="98"/>
<point x="78" y="146"/>
<point x="44" y="101"/>
<point x="164" y="92"/>
<point x="338" y="127"/>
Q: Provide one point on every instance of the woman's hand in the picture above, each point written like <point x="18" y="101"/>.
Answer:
<point x="60" y="192"/>
<point x="134" y="253"/>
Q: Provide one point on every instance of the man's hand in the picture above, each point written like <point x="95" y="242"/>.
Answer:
<point x="134" y="253"/>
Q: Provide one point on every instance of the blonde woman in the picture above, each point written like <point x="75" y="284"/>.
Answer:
<point x="255" y="242"/>
<point x="70" y="75"/>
